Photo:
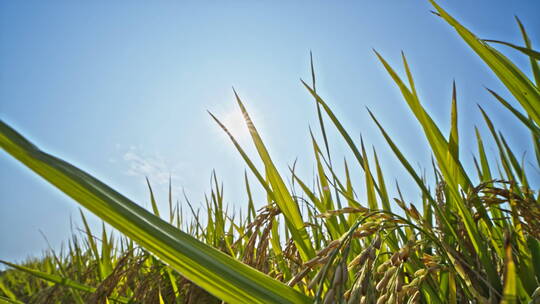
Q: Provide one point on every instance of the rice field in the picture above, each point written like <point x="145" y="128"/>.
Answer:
<point x="473" y="237"/>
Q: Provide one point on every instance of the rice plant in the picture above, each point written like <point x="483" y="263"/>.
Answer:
<point x="473" y="237"/>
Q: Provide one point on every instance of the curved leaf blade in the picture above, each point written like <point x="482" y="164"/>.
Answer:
<point x="214" y="271"/>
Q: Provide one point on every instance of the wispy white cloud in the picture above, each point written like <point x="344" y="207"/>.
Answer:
<point x="156" y="168"/>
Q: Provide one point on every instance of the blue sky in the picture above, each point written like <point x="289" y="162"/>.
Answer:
<point x="121" y="90"/>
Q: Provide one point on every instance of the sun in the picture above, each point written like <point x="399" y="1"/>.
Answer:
<point x="235" y="123"/>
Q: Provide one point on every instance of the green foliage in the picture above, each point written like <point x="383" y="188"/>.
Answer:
<point x="469" y="238"/>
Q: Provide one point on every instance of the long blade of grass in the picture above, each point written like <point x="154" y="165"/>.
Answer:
<point x="453" y="140"/>
<point x="9" y="301"/>
<point x="152" y="199"/>
<point x="415" y="176"/>
<point x="59" y="280"/>
<point x="341" y="130"/>
<point x="8" y="293"/>
<point x="510" y="277"/>
<point x="282" y="196"/>
<point x="511" y="76"/>
<point x="535" y="55"/>
<point x="450" y="166"/>
<point x="453" y="172"/>
<point x="534" y="63"/>
<point x="214" y="271"/>
<point x="526" y="121"/>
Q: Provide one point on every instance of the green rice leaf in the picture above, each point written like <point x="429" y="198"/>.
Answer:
<point x="9" y="301"/>
<point x="534" y="63"/>
<point x="214" y="271"/>
<point x="8" y="293"/>
<point x="511" y="76"/>
<point x="152" y="199"/>
<point x="282" y="195"/>
<point x="535" y="55"/>
<point x="526" y="121"/>
<point x="453" y="140"/>
<point x="59" y="280"/>
<point x="510" y="291"/>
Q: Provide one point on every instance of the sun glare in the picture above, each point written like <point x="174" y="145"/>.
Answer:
<point x="235" y="123"/>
